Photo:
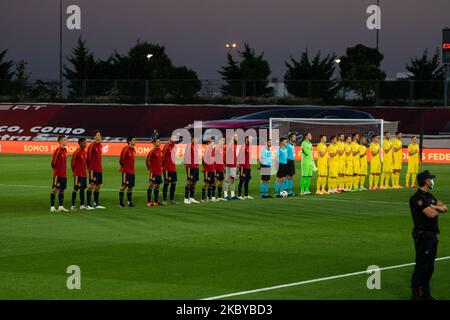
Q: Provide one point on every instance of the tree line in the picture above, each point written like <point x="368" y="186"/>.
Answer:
<point x="146" y="67"/>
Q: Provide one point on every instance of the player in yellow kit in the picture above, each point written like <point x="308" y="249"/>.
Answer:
<point x="333" y="159"/>
<point x="355" y="153"/>
<point x="322" y="166"/>
<point x="341" y="162"/>
<point x="375" y="164"/>
<point x="397" y="145"/>
<point x="413" y="162"/>
<point x="362" y="163"/>
<point x="348" y="164"/>
<point x="388" y="160"/>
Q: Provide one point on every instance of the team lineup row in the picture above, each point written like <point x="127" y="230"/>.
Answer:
<point x="342" y="166"/>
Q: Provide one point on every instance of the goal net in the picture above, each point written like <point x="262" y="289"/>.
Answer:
<point x="368" y="128"/>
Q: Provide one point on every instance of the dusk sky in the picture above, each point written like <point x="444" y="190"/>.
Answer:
<point x="194" y="32"/>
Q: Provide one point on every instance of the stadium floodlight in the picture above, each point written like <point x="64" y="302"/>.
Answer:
<point x="149" y="56"/>
<point x="331" y="127"/>
<point x="231" y="45"/>
<point x="337" y="61"/>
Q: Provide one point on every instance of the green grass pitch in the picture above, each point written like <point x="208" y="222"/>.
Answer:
<point x="200" y="251"/>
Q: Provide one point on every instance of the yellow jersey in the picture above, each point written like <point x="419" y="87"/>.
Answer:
<point x="322" y="162"/>
<point x="340" y="146"/>
<point x="397" y="155"/>
<point x="387" y="154"/>
<point x="375" y="162"/>
<point x="333" y="162"/>
<point x="413" y="161"/>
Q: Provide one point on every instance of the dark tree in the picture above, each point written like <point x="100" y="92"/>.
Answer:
<point x="311" y="78"/>
<point x="6" y="74"/>
<point x="252" y="74"/>
<point x="83" y="68"/>
<point x="428" y="77"/>
<point x="360" y="70"/>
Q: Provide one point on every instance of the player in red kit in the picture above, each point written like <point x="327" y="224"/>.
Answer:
<point x="244" y="169"/>
<point x="191" y="165"/>
<point x="219" y="156"/>
<point x="94" y="163"/>
<point x="154" y="166"/>
<point x="126" y="162"/>
<point x="209" y="169"/>
<point x="169" y="171"/>
<point x="79" y="166"/>
<point x="230" y="168"/>
<point x="59" y="166"/>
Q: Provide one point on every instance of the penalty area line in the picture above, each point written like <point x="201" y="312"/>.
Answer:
<point x="300" y="283"/>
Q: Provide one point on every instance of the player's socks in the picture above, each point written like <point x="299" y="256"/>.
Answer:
<point x="121" y="195"/>
<point x="165" y="189"/>
<point x="89" y="197"/>
<point x="191" y="192"/>
<point x="356" y="182"/>
<point x="308" y="184"/>
<point x="203" y="193"/>
<point x="371" y="181"/>
<point x="261" y="190"/>
<point x="210" y="193"/>
<point x="213" y="191"/>
<point x="52" y="199"/>
<point x="277" y="186"/>
<point x="129" y="197"/>
<point x="266" y="189"/>
<point x="74" y="197"/>
<point x="319" y="184"/>
<point x="82" y="197"/>
<point x="377" y="181"/>
<point x="240" y="185"/>
<point x="246" y="182"/>
<point x="172" y="190"/>
<point x="61" y="198"/>
<point x="156" y="193"/>
<point x="186" y="192"/>
<point x="149" y="195"/>
<point x="96" y="196"/>
<point x="219" y="192"/>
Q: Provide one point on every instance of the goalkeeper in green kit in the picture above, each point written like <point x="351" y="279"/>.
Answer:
<point x="307" y="164"/>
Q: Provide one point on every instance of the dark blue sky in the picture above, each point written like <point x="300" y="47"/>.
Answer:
<point x="195" y="31"/>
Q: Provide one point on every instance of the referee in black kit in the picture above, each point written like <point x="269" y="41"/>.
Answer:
<point x="425" y="209"/>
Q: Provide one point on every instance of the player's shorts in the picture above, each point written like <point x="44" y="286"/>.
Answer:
<point x="307" y="169"/>
<point x="60" y="183"/>
<point x="95" y="177"/>
<point x="80" y="182"/>
<point x="290" y="169"/>
<point x="245" y="174"/>
<point x="282" y="168"/>
<point x="128" y="179"/>
<point x="264" y="170"/>
<point x="375" y="167"/>
<point x="413" y="168"/>
<point x="356" y="166"/>
<point x="155" y="179"/>
<point x="363" y="169"/>
<point x="397" y="165"/>
<point x="349" y="169"/>
<point x="192" y="174"/>
<point x="170" y="176"/>
<point x="387" y="167"/>
<point x="208" y="177"/>
<point x="219" y="176"/>
<point x="231" y="172"/>
<point x="333" y="171"/>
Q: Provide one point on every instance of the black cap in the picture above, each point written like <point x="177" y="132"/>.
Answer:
<point x="423" y="176"/>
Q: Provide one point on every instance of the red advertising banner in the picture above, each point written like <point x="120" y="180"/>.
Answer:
<point x="429" y="155"/>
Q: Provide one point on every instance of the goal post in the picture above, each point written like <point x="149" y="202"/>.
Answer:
<point x="329" y="127"/>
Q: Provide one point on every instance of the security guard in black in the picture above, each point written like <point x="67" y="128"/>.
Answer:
<point x="425" y="209"/>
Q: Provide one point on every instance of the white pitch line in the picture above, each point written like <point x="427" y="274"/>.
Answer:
<point x="293" y="284"/>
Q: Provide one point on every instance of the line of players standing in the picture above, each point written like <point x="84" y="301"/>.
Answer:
<point x="343" y="163"/>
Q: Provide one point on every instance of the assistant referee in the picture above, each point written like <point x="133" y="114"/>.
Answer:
<point x="425" y="209"/>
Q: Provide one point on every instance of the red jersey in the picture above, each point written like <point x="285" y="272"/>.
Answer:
<point x="168" y="161"/>
<point x="219" y="154"/>
<point x="78" y="163"/>
<point x="244" y="157"/>
<point x="94" y="157"/>
<point x="59" y="164"/>
<point x="191" y="156"/>
<point x="126" y="160"/>
<point x="231" y="156"/>
<point x="208" y="159"/>
<point x="154" y="161"/>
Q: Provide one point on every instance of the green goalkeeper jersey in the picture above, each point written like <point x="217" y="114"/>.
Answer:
<point x="307" y="152"/>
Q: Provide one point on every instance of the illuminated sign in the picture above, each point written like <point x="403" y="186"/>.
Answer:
<point x="446" y="46"/>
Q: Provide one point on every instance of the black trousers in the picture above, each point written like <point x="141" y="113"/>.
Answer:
<point x="426" y="244"/>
